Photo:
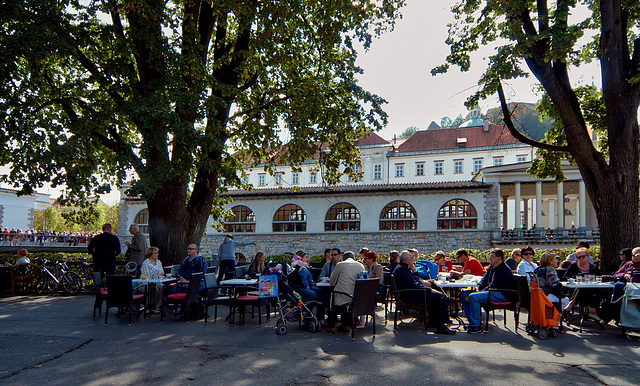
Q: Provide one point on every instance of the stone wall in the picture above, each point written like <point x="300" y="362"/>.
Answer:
<point x="315" y="244"/>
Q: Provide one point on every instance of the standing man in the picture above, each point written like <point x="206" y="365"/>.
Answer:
<point x="499" y="276"/>
<point x="104" y="248"/>
<point x="137" y="248"/>
<point x="227" y="256"/>
<point x="330" y="265"/>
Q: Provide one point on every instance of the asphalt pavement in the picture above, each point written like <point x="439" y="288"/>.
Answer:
<point x="53" y="340"/>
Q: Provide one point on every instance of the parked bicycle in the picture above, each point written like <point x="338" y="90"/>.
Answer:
<point x="58" y="276"/>
<point x="85" y="270"/>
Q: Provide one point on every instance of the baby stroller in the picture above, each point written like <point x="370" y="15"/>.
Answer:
<point x="543" y="316"/>
<point x="630" y="310"/>
<point x="292" y="309"/>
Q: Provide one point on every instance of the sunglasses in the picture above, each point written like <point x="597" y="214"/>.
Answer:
<point x="190" y="248"/>
<point x="581" y="256"/>
<point x="528" y="254"/>
<point x="334" y="254"/>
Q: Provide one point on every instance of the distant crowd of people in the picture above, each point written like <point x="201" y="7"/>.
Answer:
<point x="17" y="236"/>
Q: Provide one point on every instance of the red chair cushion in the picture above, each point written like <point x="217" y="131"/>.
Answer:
<point x="247" y="298"/>
<point x="178" y="296"/>
<point x="138" y="297"/>
<point x="500" y="304"/>
<point x="103" y="291"/>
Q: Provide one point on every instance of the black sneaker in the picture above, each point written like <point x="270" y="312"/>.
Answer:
<point x="474" y="330"/>
<point x="445" y="331"/>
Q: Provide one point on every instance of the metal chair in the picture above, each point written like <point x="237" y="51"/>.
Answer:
<point x="363" y="302"/>
<point x="120" y="295"/>
<point x="101" y="293"/>
<point x="185" y="299"/>
<point x="401" y="306"/>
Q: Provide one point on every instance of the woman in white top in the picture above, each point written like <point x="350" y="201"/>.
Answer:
<point x="527" y="265"/>
<point x="152" y="269"/>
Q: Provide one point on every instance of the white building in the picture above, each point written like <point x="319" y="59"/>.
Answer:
<point x="439" y="189"/>
<point x="17" y="212"/>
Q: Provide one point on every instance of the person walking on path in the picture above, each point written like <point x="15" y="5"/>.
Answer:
<point x="104" y="248"/>
<point x="137" y="248"/>
<point x="227" y="256"/>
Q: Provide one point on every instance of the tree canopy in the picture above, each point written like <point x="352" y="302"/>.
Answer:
<point x="547" y="39"/>
<point x="163" y="95"/>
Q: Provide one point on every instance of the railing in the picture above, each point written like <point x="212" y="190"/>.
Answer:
<point x="558" y="235"/>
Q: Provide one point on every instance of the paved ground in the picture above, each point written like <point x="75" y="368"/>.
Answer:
<point x="53" y="340"/>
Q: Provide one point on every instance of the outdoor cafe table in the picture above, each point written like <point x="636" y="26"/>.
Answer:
<point x="235" y="285"/>
<point x="453" y="288"/>
<point x="598" y="289"/>
<point x="137" y="283"/>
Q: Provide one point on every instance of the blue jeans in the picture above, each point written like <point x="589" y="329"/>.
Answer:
<point x="472" y="307"/>
<point x="618" y="290"/>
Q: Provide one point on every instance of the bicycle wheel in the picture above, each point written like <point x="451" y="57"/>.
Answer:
<point x="71" y="283"/>
<point x="43" y="283"/>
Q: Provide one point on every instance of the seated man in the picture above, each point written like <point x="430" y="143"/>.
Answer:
<point x="437" y="301"/>
<point x="628" y="273"/>
<point x="329" y="266"/>
<point x="193" y="263"/>
<point x="471" y="265"/>
<point x="499" y="276"/>
<point x="343" y="279"/>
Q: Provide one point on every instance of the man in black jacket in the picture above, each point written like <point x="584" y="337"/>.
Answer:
<point x="436" y="300"/>
<point x="104" y="248"/>
<point x="499" y="276"/>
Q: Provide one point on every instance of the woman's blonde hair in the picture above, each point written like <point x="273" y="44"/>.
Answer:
<point x="546" y="258"/>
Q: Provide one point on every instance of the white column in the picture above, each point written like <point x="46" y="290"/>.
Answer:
<point x="517" y="207"/>
<point x="582" y="205"/>
<point x="505" y="212"/>
<point x="538" y="203"/>
<point x="560" y="205"/>
<point x="551" y="215"/>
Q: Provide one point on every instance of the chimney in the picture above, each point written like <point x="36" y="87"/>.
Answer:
<point x="485" y="125"/>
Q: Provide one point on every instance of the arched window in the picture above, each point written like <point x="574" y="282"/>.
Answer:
<point x="342" y="217"/>
<point x="398" y="216"/>
<point x="142" y="219"/>
<point x="290" y="218"/>
<point x="243" y="220"/>
<point x="457" y="214"/>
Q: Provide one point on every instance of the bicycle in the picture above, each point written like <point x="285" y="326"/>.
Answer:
<point x="85" y="270"/>
<point x="62" y="276"/>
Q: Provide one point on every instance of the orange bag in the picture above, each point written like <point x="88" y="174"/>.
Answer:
<point x="543" y="313"/>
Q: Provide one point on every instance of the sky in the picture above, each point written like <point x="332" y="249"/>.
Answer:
<point x="397" y="68"/>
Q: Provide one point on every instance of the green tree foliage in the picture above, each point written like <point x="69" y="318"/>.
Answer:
<point x="184" y="94"/>
<point x="526" y="118"/>
<point x="548" y="37"/>
<point x="447" y="122"/>
<point x="408" y="132"/>
<point x="71" y="219"/>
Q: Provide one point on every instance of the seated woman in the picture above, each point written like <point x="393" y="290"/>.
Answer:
<point x="549" y="281"/>
<point x="306" y="287"/>
<point x="374" y="270"/>
<point x="257" y="265"/>
<point x="581" y="266"/>
<point x="22" y="257"/>
<point x="444" y="264"/>
<point x="629" y="273"/>
<point x="152" y="269"/>
<point x="625" y="255"/>
<point x="526" y="264"/>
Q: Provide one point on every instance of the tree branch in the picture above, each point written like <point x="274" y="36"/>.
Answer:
<point x="517" y="134"/>
<point x="257" y="109"/>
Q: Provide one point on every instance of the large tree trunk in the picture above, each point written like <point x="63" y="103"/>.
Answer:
<point x="168" y="221"/>
<point x="617" y="212"/>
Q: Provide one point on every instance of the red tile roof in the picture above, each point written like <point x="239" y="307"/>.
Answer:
<point x="373" y="139"/>
<point x="440" y="139"/>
